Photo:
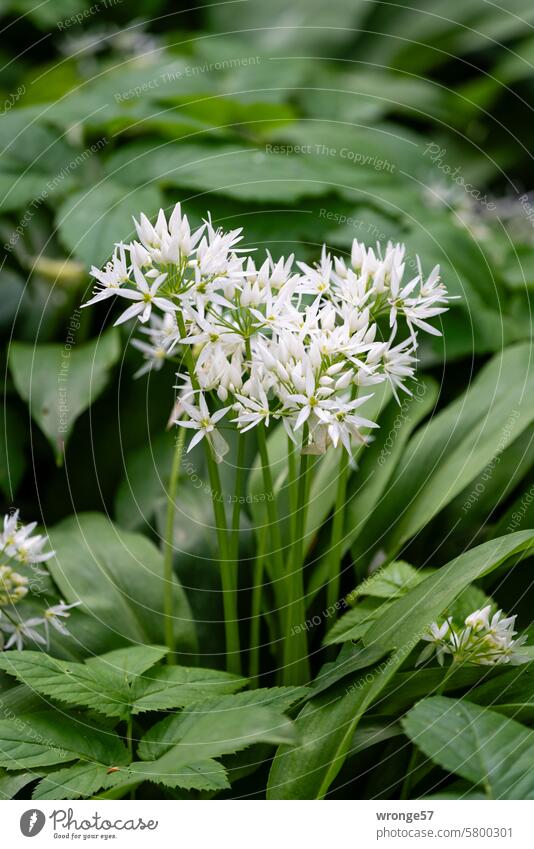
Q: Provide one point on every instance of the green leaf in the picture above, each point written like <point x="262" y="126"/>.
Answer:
<point x="59" y="382"/>
<point x="240" y="172"/>
<point x="352" y="625"/>
<point x="41" y="740"/>
<point x="512" y="693"/>
<point x="171" y="771"/>
<point x="390" y="581"/>
<point x="325" y="730"/>
<point x="79" y="781"/>
<point x="327" y="723"/>
<point x="118" y="577"/>
<point x="11" y="784"/>
<point x="178" y="686"/>
<point x="216" y="727"/>
<point x="409" y="615"/>
<point x="90" y="221"/>
<point x="376" y="464"/>
<point x="492" y="752"/>
<point x="103" y="684"/>
<point x="12" y="451"/>
<point x="452" y="450"/>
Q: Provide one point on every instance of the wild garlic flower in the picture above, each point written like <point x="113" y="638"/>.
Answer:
<point x="18" y="546"/>
<point x="17" y="543"/>
<point x="13" y="587"/>
<point x="485" y="639"/>
<point x="273" y="340"/>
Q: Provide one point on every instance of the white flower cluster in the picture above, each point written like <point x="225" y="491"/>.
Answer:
<point x="275" y="340"/>
<point x="18" y="545"/>
<point x="485" y="639"/>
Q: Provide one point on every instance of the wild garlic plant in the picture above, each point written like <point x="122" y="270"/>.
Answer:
<point x="22" y="556"/>
<point x="484" y="639"/>
<point x="264" y="342"/>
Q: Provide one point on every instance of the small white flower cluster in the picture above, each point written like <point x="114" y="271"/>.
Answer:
<point x="17" y="544"/>
<point x="279" y="342"/>
<point x="485" y="640"/>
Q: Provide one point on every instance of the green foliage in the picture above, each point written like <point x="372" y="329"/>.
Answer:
<point x="118" y="576"/>
<point x="492" y="752"/>
<point x="59" y="382"/>
<point x="179" y="751"/>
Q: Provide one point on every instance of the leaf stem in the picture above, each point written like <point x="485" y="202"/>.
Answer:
<point x="168" y="551"/>
<point x="273" y="526"/>
<point x="227" y="567"/>
<point x="296" y="662"/>
<point x="336" y="539"/>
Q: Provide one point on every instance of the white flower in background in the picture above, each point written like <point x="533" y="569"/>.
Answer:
<point x="20" y="631"/>
<point x="18" y="544"/>
<point x="54" y="617"/>
<point x="162" y="336"/>
<point x="13" y="587"/>
<point x="437" y="639"/>
<point x="483" y="640"/>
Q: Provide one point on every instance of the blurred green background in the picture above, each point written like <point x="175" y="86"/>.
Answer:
<point x="302" y="122"/>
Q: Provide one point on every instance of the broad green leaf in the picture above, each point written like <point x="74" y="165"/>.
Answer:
<point x="491" y="751"/>
<point x="216" y="727"/>
<point x="377" y="462"/>
<point x="452" y="450"/>
<point x="409" y="615"/>
<point x="59" y="382"/>
<point x="41" y="740"/>
<point x="325" y="730"/>
<point x="12" y="451"/>
<point x="90" y="221"/>
<point x="237" y="171"/>
<point x="326" y="724"/>
<point x="118" y="577"/>
<point x="512" y="693"/>
<point x="352" y="625"/>
<point x="11" y="784"/>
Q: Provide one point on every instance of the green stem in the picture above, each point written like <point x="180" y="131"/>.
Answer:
<point x="255" y="612"/>
<point x="168" y="552"/>
<point x="238" y="492"/>
<point x="292" y="490"/>
<point x="296" y="662"/>
<point x="227" y="567"/>
<point x="273" y="527"/>
<point x="335" y="552"/>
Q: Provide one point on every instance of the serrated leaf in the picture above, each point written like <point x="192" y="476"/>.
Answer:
<point x="41" y="740"/>
<point x="103" y="684"/>
<point x="73" y="782"/>
<point x="59" y="383"/>
<point x="390" y="581"/>
<point x="216" y="727"/>
<point x="491" y="751"/>
<point x="178" y="686"/>
<point x="171" y="771"/>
